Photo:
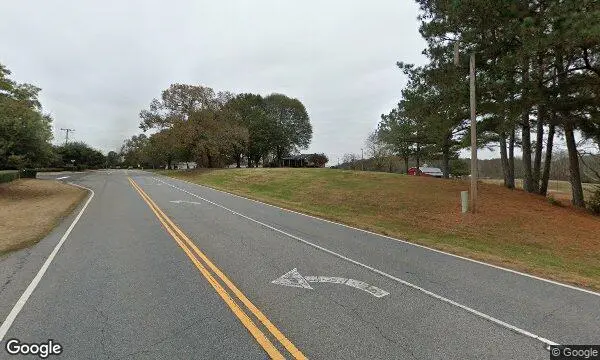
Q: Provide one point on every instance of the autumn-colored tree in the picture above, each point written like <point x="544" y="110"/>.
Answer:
<point x="216" y="129"/>
<point x="319" y="160"/>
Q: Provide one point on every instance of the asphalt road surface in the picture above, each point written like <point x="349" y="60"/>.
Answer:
<point x="157" y="268"/>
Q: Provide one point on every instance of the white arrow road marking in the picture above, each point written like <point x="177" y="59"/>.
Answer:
<point x="294" y="279"/>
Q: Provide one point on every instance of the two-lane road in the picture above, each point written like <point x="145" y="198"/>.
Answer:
<point x="159" y="268"/>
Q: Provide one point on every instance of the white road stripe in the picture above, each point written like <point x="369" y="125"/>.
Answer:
<point x="572" y="287"/>
<point x="391" y="277"/>
<point x="63" y="177"/>
<point x="34" y="283"/>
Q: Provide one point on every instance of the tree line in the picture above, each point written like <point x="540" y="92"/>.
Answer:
<point x="538" y="79"/>
<point x="26" y="132"/>
<point x="195" y="123"/>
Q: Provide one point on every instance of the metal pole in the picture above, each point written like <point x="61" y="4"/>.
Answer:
<point x="473" y="197"/>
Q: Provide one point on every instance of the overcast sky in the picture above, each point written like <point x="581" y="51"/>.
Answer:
<point x="100" y="62"/>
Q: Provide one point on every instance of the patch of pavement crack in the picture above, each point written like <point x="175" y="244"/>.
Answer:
<point x="153" y="346"/>
<point x="388" y="338"/>
<point x="103" y="332"/>
<point x="15" y="269"/>
<point x="550" y="314"/>
<point x="264" y="256"/>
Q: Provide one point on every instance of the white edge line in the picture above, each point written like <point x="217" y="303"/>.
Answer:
<point x="403" y="282"/>
<point x="34" y="283"/>
<point x="572" y="287"/>
<point x="63" y="177"/>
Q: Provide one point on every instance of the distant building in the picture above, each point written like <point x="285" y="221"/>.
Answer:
<point x="302" y="160"/>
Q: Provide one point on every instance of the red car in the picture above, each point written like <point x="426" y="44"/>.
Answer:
<point x="426" y="171"/>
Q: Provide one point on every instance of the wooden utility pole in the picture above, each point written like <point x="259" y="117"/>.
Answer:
<point x="362" y="160"/>
<point x="473" y="136"/>
<point x="67" y="131"/>
<point x="473" y="101"/>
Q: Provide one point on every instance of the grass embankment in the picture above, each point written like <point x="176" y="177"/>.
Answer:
<point x="30" y="208"/>
<point x="512" y="228"/>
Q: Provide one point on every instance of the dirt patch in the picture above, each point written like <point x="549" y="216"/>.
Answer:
<point x="30" y="208"/>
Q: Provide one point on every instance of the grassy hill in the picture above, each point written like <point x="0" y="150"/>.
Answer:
<point x="512" y="229"/>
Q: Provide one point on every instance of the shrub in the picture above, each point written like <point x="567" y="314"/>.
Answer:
<point x="459" y="168"/>
<point x="552" y="200"/>
<point x="16" y="161"/>
<point x="272" y="164"/>
<point x="8" y="175"/>
<point x="28" y="173"/>
<point x="594" y="202"/>
<point x="319" y="160"/>
<point x="58" y="169"/>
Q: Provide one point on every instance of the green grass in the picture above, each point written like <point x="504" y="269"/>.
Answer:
<point x="512" y="228"/>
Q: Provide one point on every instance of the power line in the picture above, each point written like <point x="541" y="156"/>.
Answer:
<point x="67" y="131"/>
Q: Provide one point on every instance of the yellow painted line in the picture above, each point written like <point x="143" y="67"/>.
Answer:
<point x="260" y="337"/>
<point x="289" y="346"/>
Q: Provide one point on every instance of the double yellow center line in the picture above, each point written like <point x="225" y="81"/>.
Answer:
<point x="227" y="291"/>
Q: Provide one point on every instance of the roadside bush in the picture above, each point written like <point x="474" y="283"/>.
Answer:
<point x="16" y="161"/>
<point x="28" y="173"/>
<point x="8" y="175"/>
<point x="318" y="159"/>
<point x="81" y="168"/>
<point x="57" y="169"/>
<point x="594" y="202"/>
<point x="459" y="168"/>
<point x="552" y="200"/>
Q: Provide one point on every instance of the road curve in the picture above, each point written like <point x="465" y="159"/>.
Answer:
<point x="160" y="268"/>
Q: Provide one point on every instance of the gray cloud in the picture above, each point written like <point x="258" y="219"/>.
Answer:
<point x="100" y="63"/>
